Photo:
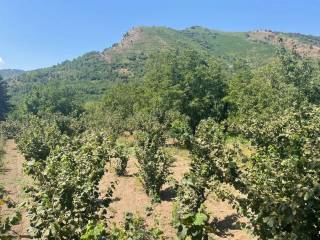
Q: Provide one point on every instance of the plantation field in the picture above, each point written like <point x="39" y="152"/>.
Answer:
<point x="193" y="149"/>
<point x="129" y="196"/>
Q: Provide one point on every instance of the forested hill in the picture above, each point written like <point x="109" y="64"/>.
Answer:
<point x="212" y="118"/>
<point x="9" y="73"/>
<point x="125" y="60"/>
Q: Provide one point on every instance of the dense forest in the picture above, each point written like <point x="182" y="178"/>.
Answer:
<point x="251" y="129"/>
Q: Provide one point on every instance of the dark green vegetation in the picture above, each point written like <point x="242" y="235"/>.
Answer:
<point x="4" y="99"/>
<point x="211" y="92"/>
<point x="92" y="73"/>
<point x="9" y="73"/>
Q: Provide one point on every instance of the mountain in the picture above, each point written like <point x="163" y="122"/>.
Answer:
<point x="125" y="60"/>
<point x="9" y="73"/>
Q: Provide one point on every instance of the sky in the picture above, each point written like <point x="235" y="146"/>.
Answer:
<point x="41" y="33"/>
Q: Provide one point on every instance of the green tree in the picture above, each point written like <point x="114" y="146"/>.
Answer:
<point x="51" y="99"/>
<point x="188" y="82"/>
<point x="65" y="196"/>
<point x="282" y="178"/>
<point x="212" y="164"/>
<point x="256" y="95"/>
<point x="4" y="100"/>
<point x="154" y="162"/>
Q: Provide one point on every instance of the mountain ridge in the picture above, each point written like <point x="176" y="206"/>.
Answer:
<point x="125" y="60"/>
<point x="8" y="73"/>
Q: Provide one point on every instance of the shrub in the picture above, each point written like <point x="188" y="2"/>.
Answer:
<point x="65" y="197"/>
<point x="134" y="228"/>
<point x="120" y="158"/>
<point x="10" y="128"/>
<point x="190" y="217"/>
<point x="37" y="137"/>
<point x="282" y="178"/>
<point x="7" y="222"/>
<point x="154" y="163"/>
<point x="212" y="163"/>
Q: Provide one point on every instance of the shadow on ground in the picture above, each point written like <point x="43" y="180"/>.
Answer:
<point x="168" y="194"/>
<point x="222" y="227"/>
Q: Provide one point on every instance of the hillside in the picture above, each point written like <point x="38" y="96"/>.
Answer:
<point x="125" y="60"/>
<point x="9" y="73"/>
<point x="216" y="136"/>
<point x="307" y="46"/>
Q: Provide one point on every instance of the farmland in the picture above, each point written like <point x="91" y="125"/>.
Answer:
<point x="189" y="143"/>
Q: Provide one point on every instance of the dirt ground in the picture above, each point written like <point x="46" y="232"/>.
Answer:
<point x="129" y="196"/>
<point x="13" y="180"/>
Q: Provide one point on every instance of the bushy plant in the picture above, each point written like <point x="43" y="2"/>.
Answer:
<point x="5" y="105"/>
<point x="37" y="137"/>
<point x="154" y="162"/>
<point x="35" y="141"/>
<point x="212" y="160"/>
<point x="212" y="163"/>
<point x="10" y="128"/>
<point x="65" y="196"/>
<point x="7" y="222"/>
<point x="189" y="216"/>
<point x="282" y="178"/>
<point x="119" y="157"/>
<point x="134" y="228"/>
<point x="95" y="231"/>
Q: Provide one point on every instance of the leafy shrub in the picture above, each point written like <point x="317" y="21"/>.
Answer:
<point x="194" y="226"/>
<point x="7" y="222"/>
<point x="134" y="228"/>
<point x="52" y="99"/>
<point x="65" y="196"/>
<point x="10" y="128"/>
<point x="154" y="163"/>
<point x="212" y="163"/>
<point x="36" y="140"/>
<point x="190" y="217"/>
<point x="1" y="150"/>
<point x="95" y="232"/>
<point x="120" y="158"/>
<point x="181" y="131"/>
<point x="212" y="160"/>
<point x="37" y="137"/>
<point x="5" y="105"/>
<point x="282" y="178"/>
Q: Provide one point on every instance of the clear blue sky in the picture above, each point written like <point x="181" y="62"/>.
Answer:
<point x="39" y="33"/>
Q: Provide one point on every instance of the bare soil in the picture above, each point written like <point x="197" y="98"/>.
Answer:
<point x="13" y="180"/>
<point x="303" y="49"/>
<point x="129" y="196"/>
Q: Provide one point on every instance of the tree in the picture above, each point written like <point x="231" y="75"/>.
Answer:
<point x="256" y="95"/>
<point x="186" y="81"/>
<point x="51" y="99"/>
<point x="4" y="99"/>
<point x="154" y="162"/>
<point x="282" y="178"/>
<point x="212" y="164"/>
<point x="65" y="195"/>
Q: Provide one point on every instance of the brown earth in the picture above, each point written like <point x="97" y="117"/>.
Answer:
<point x="13" y="180"/>
<point x="129" y="196"/>
<point x="274" y="38"/>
